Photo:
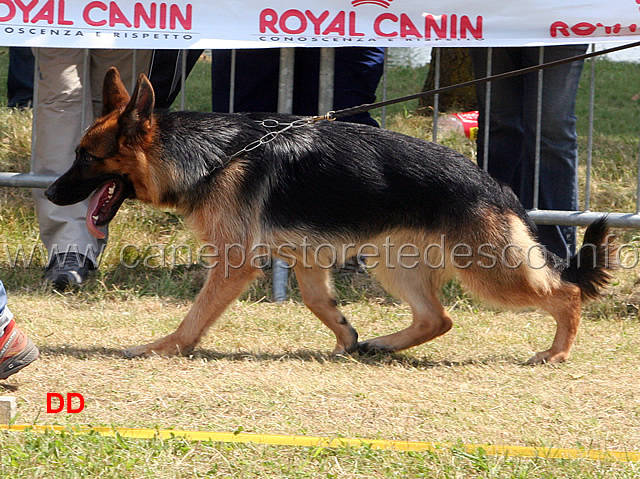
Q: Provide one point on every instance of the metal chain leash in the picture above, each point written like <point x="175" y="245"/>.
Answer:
<point x="334" y="115"/>
<point x="271" y="124"/>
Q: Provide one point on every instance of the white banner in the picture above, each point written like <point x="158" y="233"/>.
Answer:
<point x="282" y="23"/>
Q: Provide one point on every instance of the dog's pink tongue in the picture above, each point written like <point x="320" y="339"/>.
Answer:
<point x="93" y="211"/>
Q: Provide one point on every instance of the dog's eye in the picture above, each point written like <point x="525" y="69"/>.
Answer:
<point x="85" y="157"/>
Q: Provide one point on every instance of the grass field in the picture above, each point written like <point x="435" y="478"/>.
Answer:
<point x="265" y="368"/>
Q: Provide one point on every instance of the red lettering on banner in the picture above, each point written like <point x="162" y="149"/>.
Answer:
<point x="98" y="13"/>
<point x="586" y="29"/>
<point x="176" y="16"/>
<point x="140" y="14"/>
<point x="299" y="16"/>
<point x="12" y="10"/>
<point x="467" y="27"/>
<point x="316" y="21"/>
<point x="583" y="29"/>
<point x="61" y="19"/>
<point x="352" y="26"/>
<point x="407" y="27"/>
<point x="559" y="28"/>
<point x="87" y="10"/>
<point x="337" y="25"/>
<point x="163" y="16"/>
<point x="26" y="8"/>
<point x="615" y="29"/>
<point x="430" y="24"/>
<point x="116" y="17"/>
<point x="268" y="19"/>
<point x="46" y="13"/>
<point x="386" y="25"/>
<point x="382" y="18"/>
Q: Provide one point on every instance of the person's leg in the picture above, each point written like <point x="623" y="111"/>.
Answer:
<point x="358" y="72"/>
<point x="5" y="313"/>
<point x="165" y="73"/>
<point x="103" y="59"/>
<point x="58" y="129"/>
<point x="16" y="349"/>
<point x="220" y="80"/>
<point x="256" y="80"/>
<point x="505" y="121"/>
<point x="558" y="189"/>
<point x="20" y="77"/>
<point x="306" y="81"/>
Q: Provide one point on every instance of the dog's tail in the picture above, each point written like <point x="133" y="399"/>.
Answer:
<point x="589" y="267"/>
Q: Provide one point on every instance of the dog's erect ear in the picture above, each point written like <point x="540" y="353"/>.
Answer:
<point x="114" y="94"/>
<point x="136" y="117"/>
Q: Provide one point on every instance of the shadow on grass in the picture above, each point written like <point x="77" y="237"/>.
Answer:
<point x="305" y="355"/>
<point x="180" y="283"/>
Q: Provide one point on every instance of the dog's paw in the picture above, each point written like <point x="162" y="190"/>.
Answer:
<point x="341" y="351"/>
<point x="135" y="352"/>
<point x="371" y="348"/>
<point x="349" y="349"/>
<point x="547" y="357"/>
<point x="159" y="348"/>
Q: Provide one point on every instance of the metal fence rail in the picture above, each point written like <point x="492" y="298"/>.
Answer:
<point x="285" y="98"/>
<point x="585" y="216"/>
<point x="325" y="104"/>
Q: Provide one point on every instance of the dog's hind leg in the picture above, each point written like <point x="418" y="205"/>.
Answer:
<point x="223" y="285"/>
<point x="565" y="305"/>
<point x="318" y="296"/>
<point x="522" y="278"/>
<point x="430" y="319"/>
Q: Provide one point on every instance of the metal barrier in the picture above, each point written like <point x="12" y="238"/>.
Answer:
<point x="285" y="102"/>
<point x="553" y="217"/>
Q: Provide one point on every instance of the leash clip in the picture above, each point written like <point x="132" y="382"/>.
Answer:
<point x="327" y="116"/>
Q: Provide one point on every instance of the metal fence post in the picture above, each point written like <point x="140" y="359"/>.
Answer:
<point x="436" y="97"/>
<point x="326" y="80"/>
<point x="487" y="112"/>
<point x="280" y="269"/>
<point x="592" y="95"/>
<point x="536" y="171"/>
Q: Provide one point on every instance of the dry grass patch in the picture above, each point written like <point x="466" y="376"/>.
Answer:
<point x="264" y="368"/>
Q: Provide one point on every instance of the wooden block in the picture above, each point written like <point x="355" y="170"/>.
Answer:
<point x="8" y="409"/>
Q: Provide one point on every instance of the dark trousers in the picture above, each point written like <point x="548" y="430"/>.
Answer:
<point x="20" y="77"/>
<point x="512" y="131"/>
<point x="357" y="73"/>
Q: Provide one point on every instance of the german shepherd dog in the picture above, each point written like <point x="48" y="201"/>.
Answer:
<point x="419" y="212"/>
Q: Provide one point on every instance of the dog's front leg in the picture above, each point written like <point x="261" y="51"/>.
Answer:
<point x="224" y="284"/>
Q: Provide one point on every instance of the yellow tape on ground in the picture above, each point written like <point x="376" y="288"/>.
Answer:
<point x="311" y="441"/>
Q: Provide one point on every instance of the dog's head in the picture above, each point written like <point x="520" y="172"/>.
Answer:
<point x="111" y="159"/>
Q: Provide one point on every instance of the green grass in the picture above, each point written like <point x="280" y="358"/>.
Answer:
<point x="264" y="367"/>
<point x="36" y="455"/>
<point x="617" y="102"/>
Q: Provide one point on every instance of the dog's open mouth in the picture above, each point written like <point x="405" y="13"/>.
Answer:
<point x="104" y="204"/>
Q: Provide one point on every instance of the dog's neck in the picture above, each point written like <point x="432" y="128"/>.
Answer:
<point x="193" y="151"/>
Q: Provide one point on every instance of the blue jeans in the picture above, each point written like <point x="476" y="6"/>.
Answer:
<point x="5" y="314"/>
<point x="512" y="132"/>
